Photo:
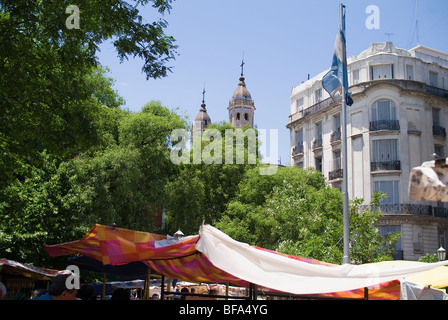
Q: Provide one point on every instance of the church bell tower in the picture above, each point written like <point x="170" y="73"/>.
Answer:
<point x="241" y="107"/>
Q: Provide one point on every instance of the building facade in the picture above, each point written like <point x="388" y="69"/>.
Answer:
<point x="397" y="121"/>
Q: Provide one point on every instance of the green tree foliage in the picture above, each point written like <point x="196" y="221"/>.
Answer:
<point x="71" y="156"/>
<point x="49" y="84"/>
<point x="121" y="183"/>
<point x="201" y="191"/>
<point x="297" y="213"/>
<point x="128" y="179"/>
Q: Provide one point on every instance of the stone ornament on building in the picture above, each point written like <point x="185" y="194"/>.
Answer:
<point x="429" y="182"/>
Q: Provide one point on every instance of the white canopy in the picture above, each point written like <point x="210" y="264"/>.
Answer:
<point x="284" y="274"/>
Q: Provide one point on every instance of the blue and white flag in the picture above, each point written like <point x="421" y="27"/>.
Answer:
<point x="334" y="79"/>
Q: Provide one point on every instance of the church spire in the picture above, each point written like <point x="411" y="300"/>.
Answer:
<point x="202" y="120"/>
<point x="241" y="107"/>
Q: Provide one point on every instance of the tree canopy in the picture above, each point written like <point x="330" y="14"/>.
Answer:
<point x="296" y="212"/>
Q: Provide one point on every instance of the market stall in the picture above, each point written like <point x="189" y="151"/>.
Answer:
<point x="20" y="278"/>
<point x="214" y="257"/>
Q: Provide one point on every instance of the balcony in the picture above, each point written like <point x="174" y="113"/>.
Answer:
<point x="297" y="150"/>
<point x="315" y="108"/>
<point x="317" y="144"/>
<point x="439" y="131"/>
<point x="437" y="91"/>
<point x="410" y="85"/>
<point x="385" y="165"/>
<point x="336" y="174"/>
<point x="390" y="125"/>
<point x="335" y="137"/>
<point x="419" y="210"/>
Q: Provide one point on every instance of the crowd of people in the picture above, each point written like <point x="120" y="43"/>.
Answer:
<point x="58" y="290"/>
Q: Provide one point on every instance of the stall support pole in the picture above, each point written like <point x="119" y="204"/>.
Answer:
<point x="162" y="287"/>
<point x="148" y="279"/>
<point x="103" y="296"/>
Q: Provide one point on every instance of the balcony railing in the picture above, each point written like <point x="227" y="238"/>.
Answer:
<point x="317" y="143"/>
<point x="385" y="165"/>
<point x="439" y="131"/>
<point x="393" y="125"/>
<point x="437" y="91"/>
<point x="335" y="137"/>
<point x="412" y="209"/>
<point x="298" y="149"/>
<point x="335" y="174"/>
<point x="315" y="108"/>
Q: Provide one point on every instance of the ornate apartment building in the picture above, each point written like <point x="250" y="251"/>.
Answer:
<point x="397" y="121"/>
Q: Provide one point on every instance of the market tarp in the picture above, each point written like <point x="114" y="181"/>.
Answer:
<point x="164" y="254"/>
<point x="435" y="278"/>
<point x="212" y="256"/>
<point x="129" y="271"/>
<point x="117" y="246"/>
<point x="26" y="270"/>
<point x="288" y="275"/>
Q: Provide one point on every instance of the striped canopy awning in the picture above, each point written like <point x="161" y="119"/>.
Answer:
<point x="173" y="258"/>
<point x="177" y="259"/>
<point x="29" y="271"/>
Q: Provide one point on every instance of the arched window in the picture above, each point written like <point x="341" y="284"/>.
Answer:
<point x="384" y="116"/>
<point x="384" y="110"/>
<point x="246" y="117"/>
<point x="238" y="116"/>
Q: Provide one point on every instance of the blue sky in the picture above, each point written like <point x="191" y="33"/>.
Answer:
<point x="282" y="42"/>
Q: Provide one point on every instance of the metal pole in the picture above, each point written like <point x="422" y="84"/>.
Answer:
<point x="162" y="288"/>
<point x="346" y="258"/>
<point x="103" y="295"/>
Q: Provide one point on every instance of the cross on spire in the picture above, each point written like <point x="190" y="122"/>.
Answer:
<point x="242" y="66"/>
<point x="203" y="94"/>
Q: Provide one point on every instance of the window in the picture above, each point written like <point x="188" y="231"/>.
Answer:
<point x="439" y="151"/>
<point x="317" y="143"/>
<point x="385" y="155"/>
<point x="318" y="95"/>
<point x="238" y="116"/>
<point x="319" y="130"/>
<point x="409" y="72"/>
<point x="384" y="110"/>
<point x="383" y="71"/>
<point x="246" y="117"/>
<point x="356" y="76"/>
<point x="433" y="79"/>
<point x="299" y="105"/>
<point x="299" y="137"/>
<point x="385" y="150"/>
<point x="436" y="117"/>
<point x="336" y="167"/>
<point x="337" y="123"/>
<point x="391" y="189"/>
<point x="387" y="230"/>
<point x="318" y="164"/>
<point x="437" y="129"/>
<point x="337" y="160"/>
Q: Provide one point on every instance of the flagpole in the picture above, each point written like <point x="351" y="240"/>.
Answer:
<point x="346" y="258"/>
